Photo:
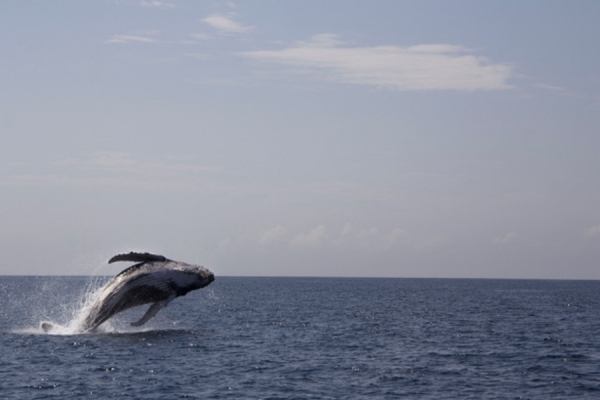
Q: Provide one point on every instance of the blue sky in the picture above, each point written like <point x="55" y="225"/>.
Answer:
<point x="338" y="138"/>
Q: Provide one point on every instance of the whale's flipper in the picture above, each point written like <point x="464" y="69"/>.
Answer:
<point x="46" y="326"/>
<point x="137" y="257"/>
<point x="152" y="311"/>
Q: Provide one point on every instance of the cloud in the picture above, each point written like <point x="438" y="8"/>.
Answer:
<point x="550" y="87"/>
<point x="226" y="25"/>
<point x="313" y="239"/>
<point x="363" y="233"/>
<point x="592" y="231"/>
<point x="156" y="4"/>
<point x="58" y="180"/>
<point x="275" y="234"/>
<point x="392" y="238"/>
<point x="558" y="90"/>
<point x="147" y="3"/>
<point x="150" y="37"/>
<point x="113" y="169"/>
<point x="505" y="239"/>
<point x="200" y="36"/>
<point x="136" y="37"/>
<point x="198" y="56"/>
<point x="131" y="39"/>
<point x="370" y="238"/>
<point x="123" y="163"/>
<point x="421" y="67"/>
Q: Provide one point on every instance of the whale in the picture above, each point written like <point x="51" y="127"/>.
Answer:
<point x="154" y="279"/>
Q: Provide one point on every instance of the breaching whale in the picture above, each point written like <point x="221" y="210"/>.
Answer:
<point x="154" y="279"/>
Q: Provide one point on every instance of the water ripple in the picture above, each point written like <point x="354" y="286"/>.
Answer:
<point x="275" y="338"/>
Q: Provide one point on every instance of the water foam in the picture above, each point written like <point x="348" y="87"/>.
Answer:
<point x="71" y="316"/>
<point x="70" y="320"/>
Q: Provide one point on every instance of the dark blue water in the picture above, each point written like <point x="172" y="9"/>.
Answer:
<point x="299" y="338"/>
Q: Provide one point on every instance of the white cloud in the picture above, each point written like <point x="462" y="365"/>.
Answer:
<point x="505" y="239"/>
<point x="136" y="37"/>
<point x="430" y="243"/>
<point x="363" y="233"/>
<point x="370" y="239"/>
<point x="313" y="239"/>
<point x="421" y="67"/>
<point x="156" y="4"/>
<point x="147" y="3"/>
<point x="273" y="235"/>
<point x="226" y="25"/>
<point x="592" y="231"/>
<point x="393" y="237"/>
<point x="550" y="87"/>
<point x="200" y="36"/>
<point x="131" y="39"/>
<point x="151" y="36"/>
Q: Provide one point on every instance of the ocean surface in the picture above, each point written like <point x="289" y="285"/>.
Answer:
<point x="309" y="338"/>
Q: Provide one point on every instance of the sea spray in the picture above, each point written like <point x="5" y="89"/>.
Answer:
<point x="67" y="314"/>
<point x="64" y="302"/>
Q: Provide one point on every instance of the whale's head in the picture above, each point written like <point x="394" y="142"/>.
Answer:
<point x="201" y="276"/>
<point x="184" y="278"/>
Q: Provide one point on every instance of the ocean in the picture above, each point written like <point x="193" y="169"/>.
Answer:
<point x="309" y="338"/>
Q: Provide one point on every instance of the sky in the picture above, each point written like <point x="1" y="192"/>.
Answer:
<point x="450" y="139"/>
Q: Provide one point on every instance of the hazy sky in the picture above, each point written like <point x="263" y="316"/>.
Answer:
<point x="305" y="138"/>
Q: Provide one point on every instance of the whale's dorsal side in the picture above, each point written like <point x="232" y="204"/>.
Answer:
<point x="140" y="258"/>
<point x="137" y="257"/>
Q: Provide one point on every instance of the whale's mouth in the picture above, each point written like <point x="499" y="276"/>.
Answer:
<point x="211" y="278"/>
<point x="205" y="278"/>
<point x="207" y="281"/>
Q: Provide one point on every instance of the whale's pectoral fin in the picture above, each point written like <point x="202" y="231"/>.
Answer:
<point x="152" y="311"/>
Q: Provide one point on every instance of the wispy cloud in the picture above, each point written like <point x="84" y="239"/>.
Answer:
<point x="421" y="67"/>
<point x="505" y="239"/>
<point x="371" y="238"/>
<point x="592" y="231"/>
<point x="273" y="235"/>
<point x="226" y="24"/>
<point x="152" y="37"/>
<point x="361" y="233"/>
<point x="200" y="36"/>
<point x="113" y="169"/>
<point x="125" y="163"/>
<point x="147" y="3"/>
<point x="283" y="240"/>
<point x="198" y="56"/>
<point x="156" y="4"/>
<point x="131" y="39"/>
<point x="550" y="87"/>
<point x="136" y="37"/>
<point x="559" y="90"/>
<point x="63" y="180"/>
<point x="367" y="239"/>
<point x="312" y="239"/>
